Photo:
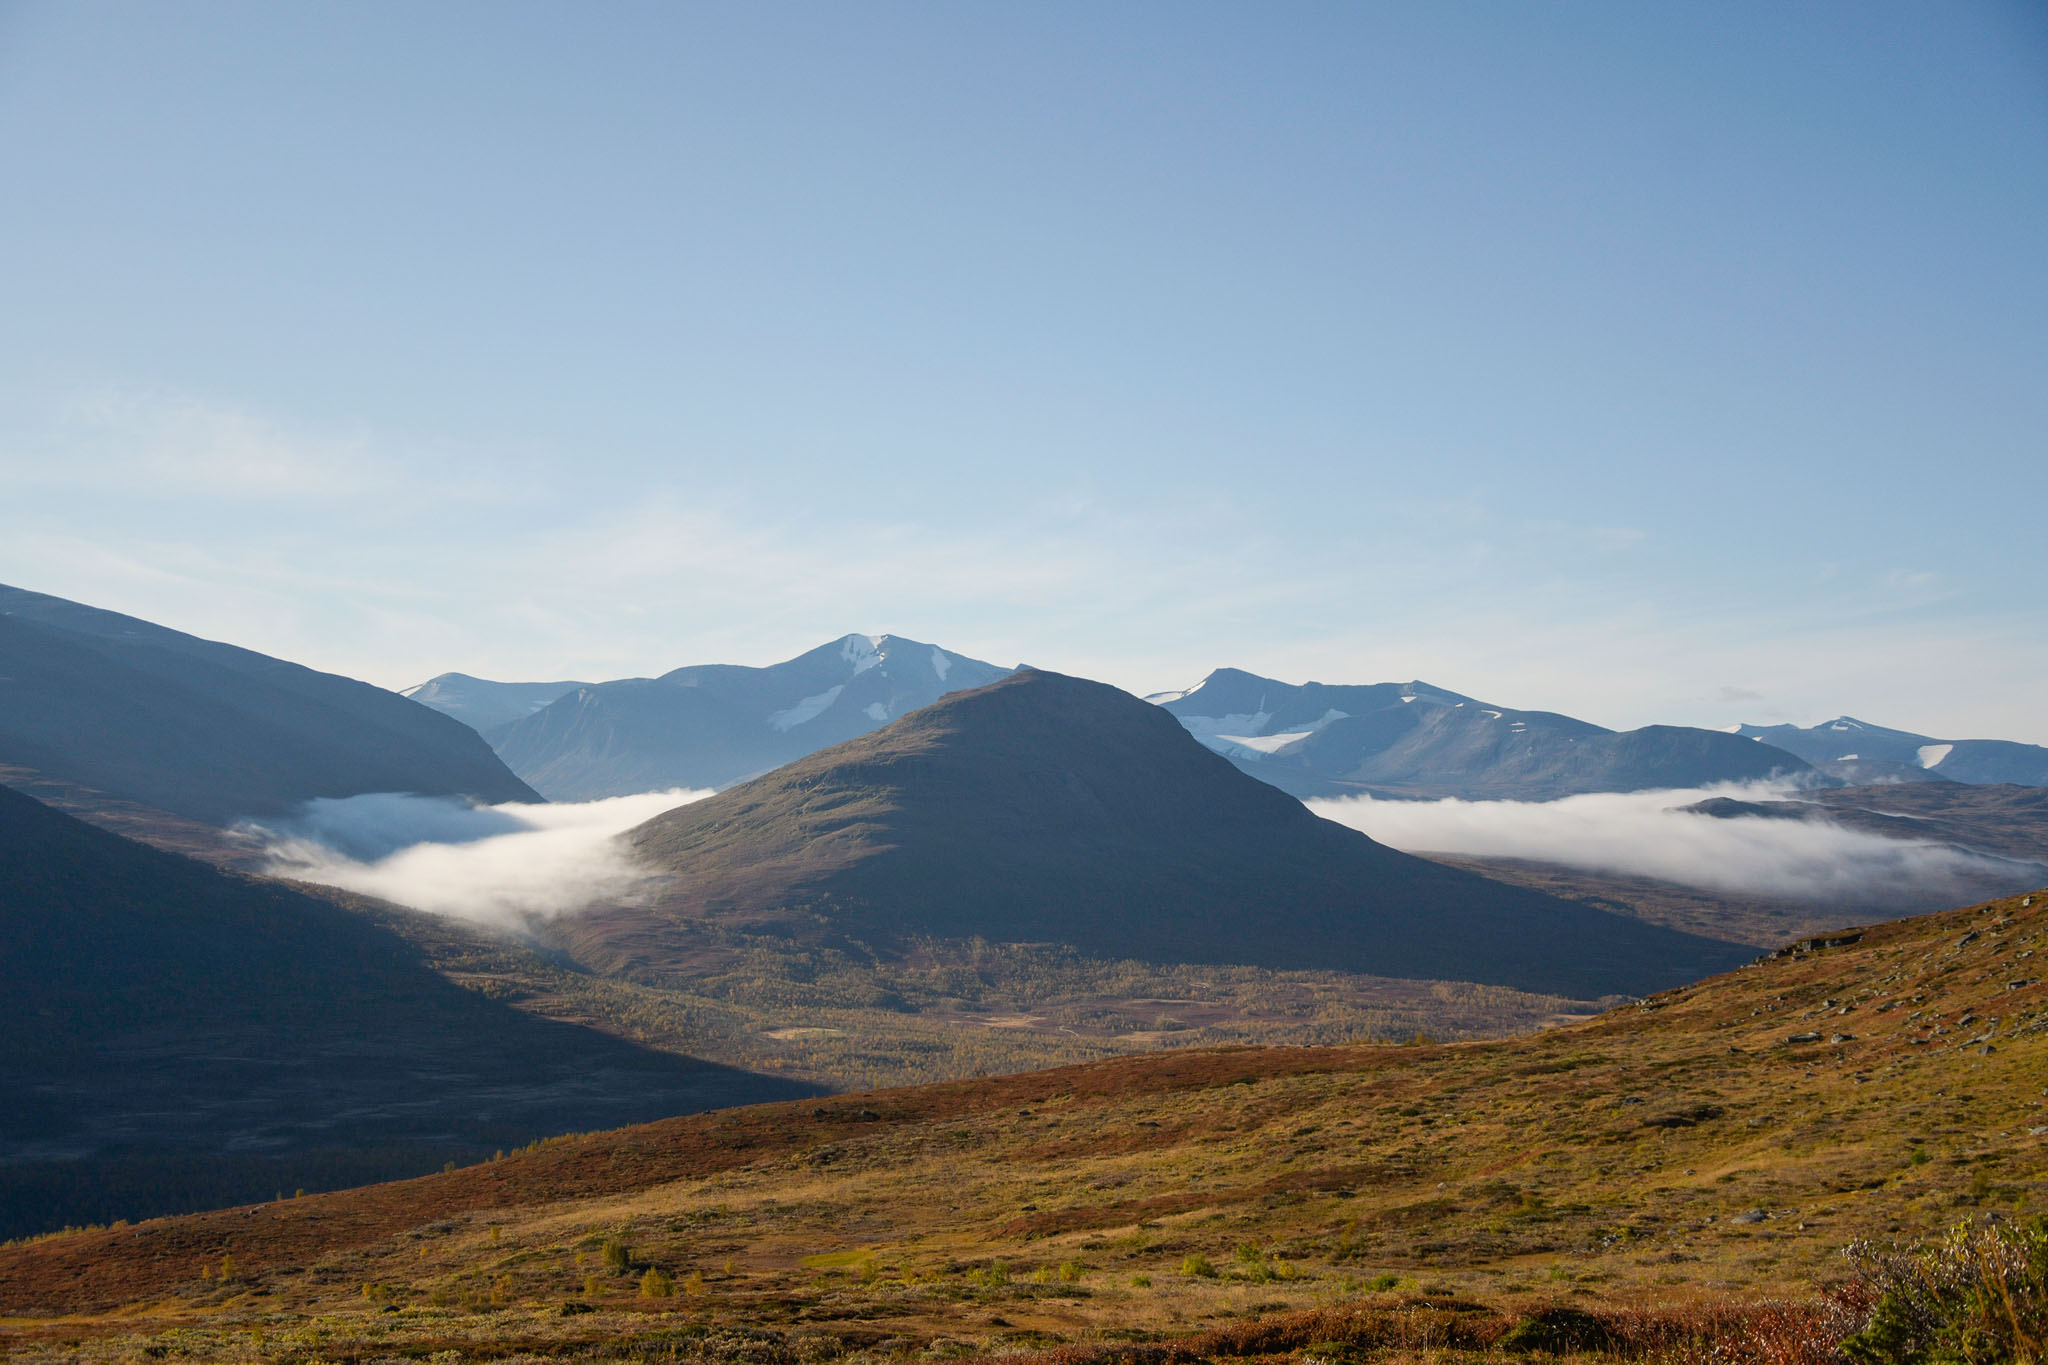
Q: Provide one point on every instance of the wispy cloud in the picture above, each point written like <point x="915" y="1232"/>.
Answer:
<point x="167" y="443"/>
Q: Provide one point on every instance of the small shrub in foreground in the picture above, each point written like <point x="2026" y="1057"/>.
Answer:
<point x="1980" y="1294"/>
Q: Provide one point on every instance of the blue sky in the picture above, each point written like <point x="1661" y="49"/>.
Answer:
<point x="1648" y="362"/>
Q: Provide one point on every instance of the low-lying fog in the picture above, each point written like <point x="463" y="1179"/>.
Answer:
<point x="497" y="864"/>
<point x="511" y="863"/>
<point x="1649" y="834"/>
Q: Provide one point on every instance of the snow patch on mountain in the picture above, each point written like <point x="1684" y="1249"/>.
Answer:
<point x="876" y="711"/>
<point x="862" y="651"/>
<point x="941" y="665"/>
<point x="810" y="707"/>
<point x="1255" y="746"/>
<point x="1930" y="755"/>
<point x="1211" y="728"/>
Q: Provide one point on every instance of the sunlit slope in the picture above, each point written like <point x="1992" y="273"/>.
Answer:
<point x="1729" y="1135"/>
<point x="1045" y="808"/>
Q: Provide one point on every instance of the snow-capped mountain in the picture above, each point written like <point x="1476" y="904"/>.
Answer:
<point x="1858" y="752"/>
<point x="711" y="725"/>
<point x="484" y="705"/>
<point x="1412" y="739"/>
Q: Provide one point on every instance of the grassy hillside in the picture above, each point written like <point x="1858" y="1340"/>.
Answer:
<point x="1678" y="1161"/>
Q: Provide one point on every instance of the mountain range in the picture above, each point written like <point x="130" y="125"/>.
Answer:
<point x="211" y="731"/>
<point x="711" y="725"/>
<point x="1415" y="740"/>
<point x="1860" y="753"/>
<point x="484" y="705"/>
<point x="1044" y="808"/>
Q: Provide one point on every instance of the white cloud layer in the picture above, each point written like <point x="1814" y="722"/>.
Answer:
<point x="1648" y="834"/>
<point x="500" y="865"/>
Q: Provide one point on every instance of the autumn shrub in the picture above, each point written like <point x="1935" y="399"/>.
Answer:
<point x="1977" y="1295"/>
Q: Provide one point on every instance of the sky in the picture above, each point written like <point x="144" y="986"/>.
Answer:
<point x="1675" y="363"/>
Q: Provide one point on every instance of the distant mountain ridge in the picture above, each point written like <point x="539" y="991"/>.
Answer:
<point x="1858" y="752"/>
<point x="711" y="725"/>
<point x="1412" y="739"/>
<point x="1044" y="808"/>
<point x="212" y="731"/>
<point x="484" y="705"/>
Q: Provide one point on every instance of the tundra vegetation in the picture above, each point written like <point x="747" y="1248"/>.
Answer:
<point x="1839" y="1150"/>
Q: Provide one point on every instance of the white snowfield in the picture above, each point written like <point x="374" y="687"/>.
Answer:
<point x="1238" y="736"/>
<point x="941" y="665"/>
<point x="876" y="711"/>
<point x="862" y="651"/>
<point x="1931" y="755"/>
<point x="1255" y="746"/>
<point x="807" y="709"/>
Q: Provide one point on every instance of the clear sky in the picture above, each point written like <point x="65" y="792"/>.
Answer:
<point x="1651" y="362"/>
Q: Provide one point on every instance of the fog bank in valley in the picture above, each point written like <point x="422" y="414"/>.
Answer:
<point x="493" y="864"/>
<point x="1649" y="834"/>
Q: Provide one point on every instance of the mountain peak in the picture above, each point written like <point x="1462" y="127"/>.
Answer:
<point x="1048" y="808"/>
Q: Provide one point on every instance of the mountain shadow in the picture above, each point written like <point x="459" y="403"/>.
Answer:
<point x="175" y="1037"/>
<point x="1046" y="808"/>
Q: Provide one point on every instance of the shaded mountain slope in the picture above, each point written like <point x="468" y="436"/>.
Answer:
<point x="1730" y="1136"/>
<point x="484" y="705"/>
<point x="712" y="725"/>
<point x="1045" y="808"/>
<point x="155" y="1010"/>
<point x="1857" y="751"/>
<point x="211" y="731"/>
<point x="1411" y="739"/>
